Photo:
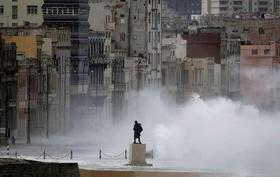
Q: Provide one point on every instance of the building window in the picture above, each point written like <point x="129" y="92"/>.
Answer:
<point x="107" y="18"/>
<point x="33" y="24"/>
<point x="211" y="77"/>
<point x="14" y="0"/>
<point x="1" y="10"/>
<point x="266" y="51"/>
<point x="60" y="11"/>
<point x="261" y="31"/>
<point x="14" y="12"/>
<point x="32" y="9"/>
<point x="149" y="58"/>
<point x="122" y="36"/>
<point x="254" y="51"/>
<point x="198" y="77"/>
<point x="14" y="24"/>
<point x="107" y="34"/>
<point x="154" y="20"/>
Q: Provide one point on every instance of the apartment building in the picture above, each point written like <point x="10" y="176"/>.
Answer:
<point x="154" y="43"/>
<point x="73" y="14"/>
<point x="202" y="76"/>
<point x="228" y="7"/>
<point x="15" y="13"/>
<point x="176" y="14"/>
<point x="259" y="71"/>
<point x="173" y="54"/>
<point x="8" y="89"/>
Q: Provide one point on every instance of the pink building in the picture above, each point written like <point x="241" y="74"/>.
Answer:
<point x="258" y="74"/>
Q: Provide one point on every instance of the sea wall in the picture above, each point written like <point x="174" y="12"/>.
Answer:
<point x="27" y="168"/>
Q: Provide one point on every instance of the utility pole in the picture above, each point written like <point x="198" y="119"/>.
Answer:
<point x="28" y="109"/>
<point x="47" y="102"/>
<point x="6" y="109"/>
<point x="64" y="98"/>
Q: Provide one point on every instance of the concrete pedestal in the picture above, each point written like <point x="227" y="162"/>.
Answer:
<point x="137" y="155"/>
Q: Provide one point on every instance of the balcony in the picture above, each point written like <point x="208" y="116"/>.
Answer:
<point x="237" y="3"/>
<point x="224" y="3"/>
<point x="12" y="102"/>
<point x="119" y="87"/>
<point x="98" y="92"/>
<point x="110" y="25"/>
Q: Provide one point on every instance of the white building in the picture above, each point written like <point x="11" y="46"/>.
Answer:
<point x="15" y="13"/>
<point x="227" y="7"/>
<point x="173" y="54"/>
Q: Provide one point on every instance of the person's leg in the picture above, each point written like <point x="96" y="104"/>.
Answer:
<point x="139" y="140"/>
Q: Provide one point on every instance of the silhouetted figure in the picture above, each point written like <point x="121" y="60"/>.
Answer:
<point x="137" y="132"/>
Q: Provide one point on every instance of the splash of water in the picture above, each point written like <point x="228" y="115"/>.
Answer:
<point x="205" y="134"/>
<point x="216" y="133"/>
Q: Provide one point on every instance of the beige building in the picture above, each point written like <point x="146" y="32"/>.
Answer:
<point x="202" y="76"/>
<point x="227" y="7"/>
<point x="101" y="20"/>
<point x="15" y="13"/>
<point x="173" y="53"/>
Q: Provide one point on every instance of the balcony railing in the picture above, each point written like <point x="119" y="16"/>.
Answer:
<point x="12" y="102"/>
<point x="110" y="25"/>
<point x="98" y="92"/>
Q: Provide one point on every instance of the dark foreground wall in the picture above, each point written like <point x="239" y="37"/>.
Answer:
<point x="26" y="168"/>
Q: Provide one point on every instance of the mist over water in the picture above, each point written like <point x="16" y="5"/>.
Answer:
<point x="205" y="134"/>
<point x="209" y="134"/>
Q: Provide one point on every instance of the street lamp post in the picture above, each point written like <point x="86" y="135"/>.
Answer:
<point x="64" y="95"/>
<point x="28" y="108"/>
<point x="47" y="102"/>
<point x="6" y="111"/>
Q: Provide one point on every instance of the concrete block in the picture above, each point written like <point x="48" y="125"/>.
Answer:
<point x="137" y="155"/>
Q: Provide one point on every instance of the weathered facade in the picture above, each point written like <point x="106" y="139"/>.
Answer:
<point x="176" y="14"/>
<point x="259" y="73"/>
<point x="21" y="13"/>
<point x="230" y="67"/>
<point x="56" y="66"/>
<point x="173" y="54"/>
<point x="248" y="29"/>
<point x="217" y="7"/>
<point x="215" y="43"/>
<point x="154" y="33"/>
<point x="202" y="76"/>
<point x="98" y="85"/>
<point x="8" y="90"/>
<point x="73" y="14"/>
<point x="202" y="44"/>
